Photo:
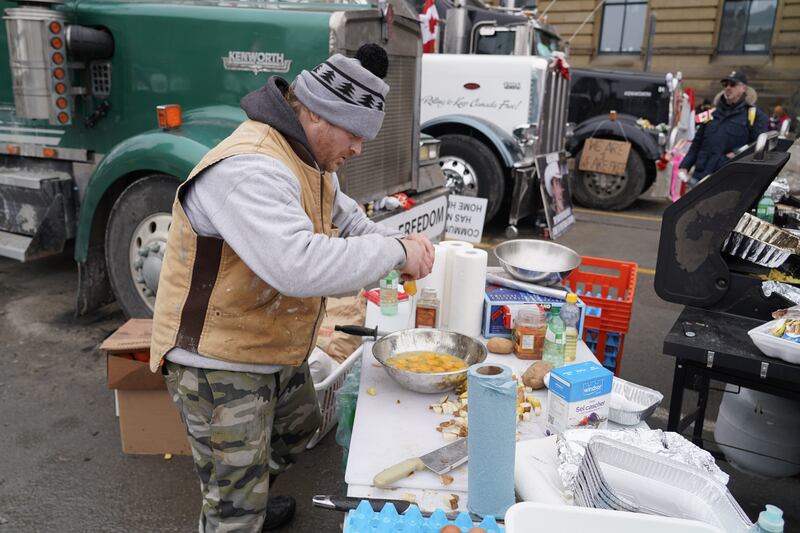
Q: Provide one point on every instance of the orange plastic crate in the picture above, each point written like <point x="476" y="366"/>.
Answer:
<point x="608" y="294"/>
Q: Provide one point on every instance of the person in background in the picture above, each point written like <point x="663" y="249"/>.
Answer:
<point x="777" y="118"/>
<point x="252" y="253"/>
<point x="733" y="123"/>
<point x="703" y="107"/>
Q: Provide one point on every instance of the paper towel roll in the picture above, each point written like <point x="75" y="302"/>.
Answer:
<point x="492" y="439"/>
<point x="449" y="247"/>
<point x="467" y="287"/>
<point x="435" y="280"/>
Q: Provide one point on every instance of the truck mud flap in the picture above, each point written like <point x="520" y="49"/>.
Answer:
<point x="522" y="200"/>
<point x="36" y="214"/>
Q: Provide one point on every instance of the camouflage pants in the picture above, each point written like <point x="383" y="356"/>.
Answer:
<point x="242" y="427"/>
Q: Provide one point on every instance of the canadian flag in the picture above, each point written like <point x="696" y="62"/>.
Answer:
<point x="429" y="19"/>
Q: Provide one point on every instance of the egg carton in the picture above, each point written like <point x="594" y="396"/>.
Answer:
<point x="365" y="520"/>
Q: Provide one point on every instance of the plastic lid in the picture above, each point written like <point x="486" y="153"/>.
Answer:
<point x="572" y="298"/>
<point x="555" y="311"/>
<point x="530" y="316"/>
<point x="429" y="293"/>
<point x="771" y="519"/>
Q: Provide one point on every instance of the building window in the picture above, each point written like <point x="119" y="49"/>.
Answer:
<point x="623" y="26"/>
<point x="747" y="26"/>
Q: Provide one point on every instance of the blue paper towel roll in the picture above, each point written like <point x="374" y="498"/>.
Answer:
<point x="492" y="438"/>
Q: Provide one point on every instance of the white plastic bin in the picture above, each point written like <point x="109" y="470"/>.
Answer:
<point x="530" y="517"/>
<point x="326" y="395"/>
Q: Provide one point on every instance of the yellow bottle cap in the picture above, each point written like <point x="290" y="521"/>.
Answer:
<point x="572" y="298"/>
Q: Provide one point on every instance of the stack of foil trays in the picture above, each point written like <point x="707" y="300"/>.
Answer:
<point x="614" y="475"/>
<point x="760" y="242"/>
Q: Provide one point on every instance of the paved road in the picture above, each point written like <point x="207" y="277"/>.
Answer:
<point x="61" y="468"/>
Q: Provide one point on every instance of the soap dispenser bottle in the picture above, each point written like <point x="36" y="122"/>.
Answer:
<point x="769" y="521"/>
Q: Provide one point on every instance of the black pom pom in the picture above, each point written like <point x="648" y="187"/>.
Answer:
<point x="374" y="59"/>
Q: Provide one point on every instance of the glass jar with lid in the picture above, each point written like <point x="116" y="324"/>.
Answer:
<point x="530" y="327"/>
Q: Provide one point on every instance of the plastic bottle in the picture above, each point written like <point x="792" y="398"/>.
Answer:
<point x="553" y="352"/>
<point x="769" y="521"/>
<point x="388" y="294"/>
<point x="530" y="326"/>
<point x="571" y="315"/>
<point x="765" y="210"/>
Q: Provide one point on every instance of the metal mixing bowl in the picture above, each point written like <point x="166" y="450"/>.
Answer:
<point x="542" y="262"/>
<point x="466" y="348"/>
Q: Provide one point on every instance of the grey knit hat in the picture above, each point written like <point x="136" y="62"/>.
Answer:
<point x="345" y="94"/>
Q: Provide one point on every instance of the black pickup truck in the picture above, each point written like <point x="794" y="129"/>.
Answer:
<point x="633" y="95"/>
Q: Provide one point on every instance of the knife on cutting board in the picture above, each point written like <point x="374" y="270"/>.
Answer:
<point x="439" y="461"/>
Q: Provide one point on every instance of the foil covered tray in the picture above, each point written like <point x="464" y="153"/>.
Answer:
<point x="631" y="403"/>
<point x="760" y="242"/>
<point x="619" y="476"/>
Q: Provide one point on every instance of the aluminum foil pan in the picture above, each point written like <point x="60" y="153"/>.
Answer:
<point x="631" y="403"/>
<point x="789" y="292"/>
<point x="655" y="485"/>
<point x="571" y="446"/>
<point x="760" y="242"/>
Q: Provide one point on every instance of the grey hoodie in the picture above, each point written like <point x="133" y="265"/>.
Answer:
<point x="253" y="203"/>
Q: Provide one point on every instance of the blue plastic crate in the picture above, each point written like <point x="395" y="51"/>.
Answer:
<point x="388" y="520"/>
<point x="610" y="352"/>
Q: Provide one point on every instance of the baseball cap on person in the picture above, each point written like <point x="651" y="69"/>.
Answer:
<point x="348" y="92"/>
<point x="737" y="76"/>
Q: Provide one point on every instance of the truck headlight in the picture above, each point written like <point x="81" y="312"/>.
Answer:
<point x="428" y="150"/>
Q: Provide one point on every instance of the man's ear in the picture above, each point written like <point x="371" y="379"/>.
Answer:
<point x="314" y="117"/>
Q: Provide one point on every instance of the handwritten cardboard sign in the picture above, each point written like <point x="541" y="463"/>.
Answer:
<point x="605" y="156"/>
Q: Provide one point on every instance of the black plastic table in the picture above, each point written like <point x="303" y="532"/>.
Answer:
<point x="715" y="346"/>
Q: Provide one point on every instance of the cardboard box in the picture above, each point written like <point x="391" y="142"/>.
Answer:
<point x="496" y="298"/>
<point x="149" y="422"/>
<point x="578" y="396"/>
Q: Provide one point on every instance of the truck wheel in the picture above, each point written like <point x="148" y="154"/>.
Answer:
<point x="472" y="169"/>
<point x="136" y="237"/>
<point x="605" y="191"/>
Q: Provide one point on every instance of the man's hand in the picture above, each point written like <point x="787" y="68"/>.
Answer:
<point x="419" y="257"/>
<point x="683" y="175"/>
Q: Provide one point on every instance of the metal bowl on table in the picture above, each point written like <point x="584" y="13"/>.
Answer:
<point x="542" y="262"/>
<point x="468" y="349"/>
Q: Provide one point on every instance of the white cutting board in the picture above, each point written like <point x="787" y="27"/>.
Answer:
<point x="396" y="423"/>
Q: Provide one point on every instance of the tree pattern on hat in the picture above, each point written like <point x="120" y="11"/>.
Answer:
<point x="346" y="88"/>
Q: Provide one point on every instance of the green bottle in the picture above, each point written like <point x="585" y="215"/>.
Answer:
<point x="554" y="341"/>
<point x="765" y="210"/>
<point x="388" y="294"/>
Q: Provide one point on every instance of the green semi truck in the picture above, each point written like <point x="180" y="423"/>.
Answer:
<point x="105" y="106"/>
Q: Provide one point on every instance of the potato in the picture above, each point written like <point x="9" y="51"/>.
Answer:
<point x="534" y="376"/>
<point x="500" y="345"/>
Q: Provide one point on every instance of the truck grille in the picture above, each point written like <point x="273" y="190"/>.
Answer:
<point x="553" y="116"/>
<point x="386" y="163"/>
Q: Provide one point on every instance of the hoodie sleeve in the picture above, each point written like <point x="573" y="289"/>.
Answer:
<point x="253" y="203"/>
<point x="691" y="156"/>
<point x="351" y="220"/>
<point x="760" y="126"/>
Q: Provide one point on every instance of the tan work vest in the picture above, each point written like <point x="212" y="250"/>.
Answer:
<point x="209" y="301"/>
